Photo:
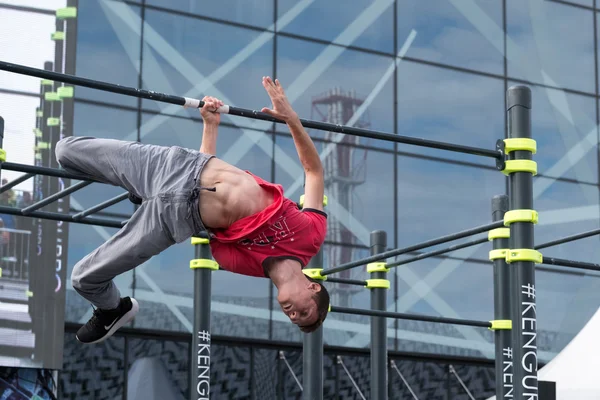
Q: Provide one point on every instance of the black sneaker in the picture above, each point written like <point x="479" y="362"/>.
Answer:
<point x="104" y="323"/>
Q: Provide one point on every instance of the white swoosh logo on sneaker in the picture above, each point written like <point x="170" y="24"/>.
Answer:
<point x="111" y="325"/>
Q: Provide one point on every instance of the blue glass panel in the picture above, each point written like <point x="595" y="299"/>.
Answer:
<point x="363" y="23"/>
<point x="176" y="62"/>
<point x="566" y="209"/>
<point x="450" y="106"/>
<point x="564" y="127"/>
<point x="253" y="12"/>
<point x="454" y="33"/>
<point x="538" y="51"/>
<point x="337" y="86"/>
<point x="437" y="199"/>
<point x="108" y="47"/>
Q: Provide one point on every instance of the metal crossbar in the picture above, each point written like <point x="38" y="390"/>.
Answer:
<point x="15" y="182"/>
<point x="101" y="206"/>
<point x="570" y="263"/>
<point x="50" y="199"/>
<point x="438" y="252"/>
<point x="409" y="249"/>
<point x="413" y="317"/>
<point x="242" y="112"/>
<point x="568" y="239"/>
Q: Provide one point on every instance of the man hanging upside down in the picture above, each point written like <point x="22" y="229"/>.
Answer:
<point x="253" y="229"/>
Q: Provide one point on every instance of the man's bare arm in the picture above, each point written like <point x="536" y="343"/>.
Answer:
<point x="307" y="152"/>
<point x="212" y="119"/>
<point x="209" y="139"/>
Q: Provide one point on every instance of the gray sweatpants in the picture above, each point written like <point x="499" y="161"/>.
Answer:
<point x="165" y="178"/>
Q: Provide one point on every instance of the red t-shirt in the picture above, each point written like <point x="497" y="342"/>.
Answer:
<point x="281" y="230"/>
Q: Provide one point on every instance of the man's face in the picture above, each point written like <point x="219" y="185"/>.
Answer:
<point x="297" y="302"/>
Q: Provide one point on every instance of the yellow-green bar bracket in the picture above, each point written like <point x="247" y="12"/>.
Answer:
<point x="377" y="267"/>
<point x="514" y="255"/>
<point x="520" y="144"/>
<point x="501" y="324"/>
<point x="499" y="233"/>
<point x="314" y="273"/>
<point x="2" y="155"/>
<point x="51" y="96"/>
<point x="378" y="283"/>
<point x="37" y="132"/>
<point x="520" y="216"/>
<point x="53" y="122"/>
<point x="66" y="13"/>
<point x="498" y="254"/>
<point x="512" y="166"/>
<point x="65" y="92"/>
<point x="39" y="113"/>
<point x="57" y="36"/>
<point x="204" y="263"/>
<point x="47" y="82"/>
<point x="42" y="146"/>
<point x="199" y="240"/>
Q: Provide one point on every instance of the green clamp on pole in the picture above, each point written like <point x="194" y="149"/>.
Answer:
<point x="66" y="13"/>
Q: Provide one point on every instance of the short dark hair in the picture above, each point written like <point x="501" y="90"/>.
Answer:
<point x="322" y="300"/>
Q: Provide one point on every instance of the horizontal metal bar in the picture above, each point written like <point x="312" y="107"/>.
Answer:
<point x="570" y="263"/>
<point x="54" y="197"/>
<point x="33" y="169"/>
<point x="15" y="182"/>
<point x="242" y="112"/>
<point x="568" y="239"/>
<point x="438" y="252"/>
<point x="419" y="246"/>
<point x="101" y="206"/>
<point x="62" y="217"/>
<point x="347" y="281"/>
<point x="412" y="317"/>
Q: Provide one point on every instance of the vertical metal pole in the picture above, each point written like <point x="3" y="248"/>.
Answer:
<point x="200" y="373"/>
<point x="502" y="304"/>
<point x="378" y="288"/>
<point x="521" y="254"/>
<point x="312" y="355"/>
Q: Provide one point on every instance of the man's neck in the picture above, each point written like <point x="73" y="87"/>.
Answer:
<point x="282" y="272"/>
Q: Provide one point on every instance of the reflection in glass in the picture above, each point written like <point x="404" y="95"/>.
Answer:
<point x="362" y="23"/>
<point x="252" y="12"/>
<point x="436" y="199"/>
<point x="347" y="87"/>
<point x="228" y="63"/>
<point x="551" y="43"/>
<point x="450" y="106"/>
<point x="108" y="47"/>
<point x="564" y="127"/>
<point x="449" y="33"/>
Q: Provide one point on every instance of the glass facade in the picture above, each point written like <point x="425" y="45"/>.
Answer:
<point x="411" y="68"/>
